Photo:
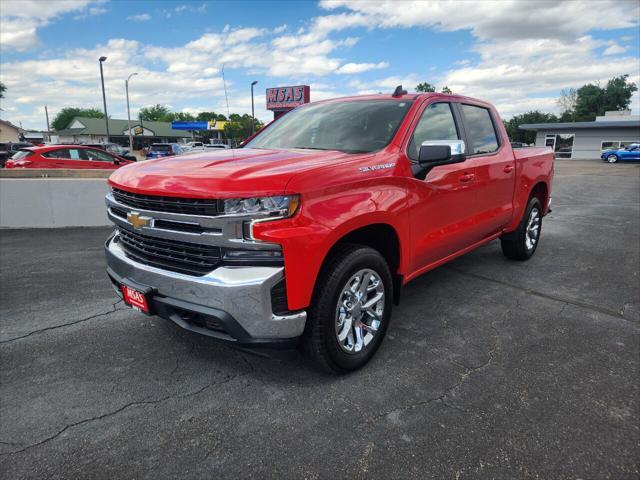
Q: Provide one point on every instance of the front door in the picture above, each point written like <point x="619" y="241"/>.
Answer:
<point x="443" y="202"/>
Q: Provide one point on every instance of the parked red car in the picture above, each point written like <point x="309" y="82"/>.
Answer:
<point x="65" y="156"/>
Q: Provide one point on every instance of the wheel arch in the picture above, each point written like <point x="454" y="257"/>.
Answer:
<point x="541" y="191"/>
<point x="382" y="237"/>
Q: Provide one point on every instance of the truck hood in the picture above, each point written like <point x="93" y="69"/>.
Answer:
<point x="245" y="172"/>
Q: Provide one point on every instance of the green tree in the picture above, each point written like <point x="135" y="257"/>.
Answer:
<point x="618" y="93"/>
<point x="64" y="117"/>
<point x="238" y="127"/>
<point x="3" y="89"/>
<point x="593" y="100"/>
<point x="446" y="89"/>
<point x="156" y="113"/>
<point x="525" y="136"/>
<point x="206" y="116"/>
<point x="589" y="102"/>
<point x="425" y="87"/>
<point x="183" y="117"/>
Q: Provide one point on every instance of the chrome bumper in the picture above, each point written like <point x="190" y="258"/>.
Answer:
<point x="242" y="293"/>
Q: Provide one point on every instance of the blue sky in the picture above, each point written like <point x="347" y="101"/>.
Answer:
<point x="517" y="54"/>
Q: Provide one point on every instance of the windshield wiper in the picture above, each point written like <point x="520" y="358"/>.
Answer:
<point x="313" y="148"/>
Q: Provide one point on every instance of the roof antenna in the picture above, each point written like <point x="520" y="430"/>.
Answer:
<point x="399" y="91"/>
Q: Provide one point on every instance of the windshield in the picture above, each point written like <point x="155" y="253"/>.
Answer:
<point x="160" y="148"/>
<point x="351" y="126"/>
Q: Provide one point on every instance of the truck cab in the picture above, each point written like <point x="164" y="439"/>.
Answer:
<point x="306" y="236"/>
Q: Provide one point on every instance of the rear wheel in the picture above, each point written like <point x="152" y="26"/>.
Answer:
<point x="522" y="243"/>
<point x="612" y="158"/>
<point x="350" y="310"/>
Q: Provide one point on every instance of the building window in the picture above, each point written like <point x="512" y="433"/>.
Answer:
<point x="615" y="144"/>
<point x="562" y="144"/>
<point x="609" y="146"/>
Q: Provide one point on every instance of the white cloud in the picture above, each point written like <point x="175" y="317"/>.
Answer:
<point x="353" y="68"/>
<point x="493" y="19"/>
<point x="529" y="50"/>
<point x="90" y="12"/>
<point x="280" y="29"/>
<point x="141" y="17"/>
<point x="614" y="49"/>
<point x="21" y="19"/>
<point x="74" y="80"/>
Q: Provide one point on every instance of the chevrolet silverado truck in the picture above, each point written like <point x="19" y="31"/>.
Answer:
<point x="306" y="235"/>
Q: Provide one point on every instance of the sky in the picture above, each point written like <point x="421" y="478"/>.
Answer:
<point x="518" y="55"/>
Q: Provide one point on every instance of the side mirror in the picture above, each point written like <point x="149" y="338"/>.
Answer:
<point x="441" y="152"/>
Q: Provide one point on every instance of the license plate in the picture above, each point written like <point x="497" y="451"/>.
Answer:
<point x="135" y="298"/>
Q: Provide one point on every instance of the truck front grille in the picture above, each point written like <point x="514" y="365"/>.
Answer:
<point x="186" y="206"/>
<point x="181" y="257"/>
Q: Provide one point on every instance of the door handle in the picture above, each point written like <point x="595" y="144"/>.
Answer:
<point x="467" y="177"/>
<point x="508" y="168"/>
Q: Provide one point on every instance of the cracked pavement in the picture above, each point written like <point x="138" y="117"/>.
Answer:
<point x="490" y="369"/>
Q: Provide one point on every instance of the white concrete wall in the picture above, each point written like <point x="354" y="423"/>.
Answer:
<point x="52" y="202"/>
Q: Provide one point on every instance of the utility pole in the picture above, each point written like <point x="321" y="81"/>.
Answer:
<point x="126" y="86"/>
<point x="46" y="114"/>
<point x="104" y="97"/>
<point x="253" y="115"/>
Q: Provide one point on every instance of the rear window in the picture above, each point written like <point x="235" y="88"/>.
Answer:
<point x="21" y="154"/>
<point x="160" y="148"/>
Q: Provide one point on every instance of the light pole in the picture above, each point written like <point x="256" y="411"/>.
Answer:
<point x="126" y="87"/>
<point x="253" y="115"/>
<point x="104" y="97"/>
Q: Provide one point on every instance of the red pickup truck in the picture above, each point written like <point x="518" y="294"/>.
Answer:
<point x="306" y="235"/>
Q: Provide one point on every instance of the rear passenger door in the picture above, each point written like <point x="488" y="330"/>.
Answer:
<point x="495" y="170"/>
<point x="58" y="158"/>
<point x="443" y="202"/>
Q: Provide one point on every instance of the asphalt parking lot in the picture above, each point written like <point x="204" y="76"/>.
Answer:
<point x="490" y="369"/>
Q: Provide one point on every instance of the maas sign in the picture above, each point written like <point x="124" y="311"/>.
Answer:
<point x="286" y="98"/>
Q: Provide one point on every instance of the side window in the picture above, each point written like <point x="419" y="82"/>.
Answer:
<point x="436" y="123"/>
<point x="480" y="130"/>
<point x="96" y="155"/>
<point x="59" y="153"/>
<point x="74" y="154"/>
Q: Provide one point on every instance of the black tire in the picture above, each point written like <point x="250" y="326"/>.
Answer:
<point x="319" y="341"/>
<point x="515" y="245"/>
<point x="612" y="158"/>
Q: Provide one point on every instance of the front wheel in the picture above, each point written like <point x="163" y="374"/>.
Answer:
<point x="350" y="311"/>
<point x="612" y="158"/>
<point x="522" y="243"/>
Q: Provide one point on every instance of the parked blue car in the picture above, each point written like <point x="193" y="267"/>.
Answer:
<point x="159" y="150"/>
<point x="630" y="152"/>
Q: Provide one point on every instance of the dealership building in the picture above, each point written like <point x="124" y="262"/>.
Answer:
<point x="84" y="130"/>
<point x="586" y="140"/>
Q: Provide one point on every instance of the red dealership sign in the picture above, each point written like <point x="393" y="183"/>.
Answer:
<point x="286" y="98"/>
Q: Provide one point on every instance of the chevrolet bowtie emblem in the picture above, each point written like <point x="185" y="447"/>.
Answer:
<point x="137" y="221"/>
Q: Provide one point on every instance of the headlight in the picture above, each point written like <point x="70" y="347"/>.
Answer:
<point x="281" y="206"/>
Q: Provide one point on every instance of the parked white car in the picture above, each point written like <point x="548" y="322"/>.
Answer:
<point x="194" y="146"/>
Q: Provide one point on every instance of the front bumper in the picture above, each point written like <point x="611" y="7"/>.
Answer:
<point x="231" y="304"/>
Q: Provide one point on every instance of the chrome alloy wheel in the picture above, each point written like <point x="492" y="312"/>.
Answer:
<point x="612" y="159"/>
<point x="533" y="229"/>
<point x="359" y="311"/>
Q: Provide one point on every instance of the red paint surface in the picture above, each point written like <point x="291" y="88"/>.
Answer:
<point x="453" y="210"/>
